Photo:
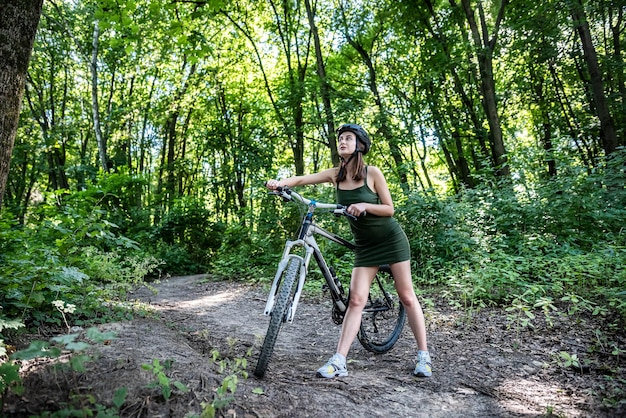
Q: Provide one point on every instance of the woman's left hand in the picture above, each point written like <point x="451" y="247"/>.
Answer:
<point x="357" y="209"/>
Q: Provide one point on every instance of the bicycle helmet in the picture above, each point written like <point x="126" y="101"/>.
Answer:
<point x="361" y="136"/>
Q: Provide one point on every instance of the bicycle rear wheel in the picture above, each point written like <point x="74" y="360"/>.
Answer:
<point x="278" y="316"/>
<point x="383" y="316"/>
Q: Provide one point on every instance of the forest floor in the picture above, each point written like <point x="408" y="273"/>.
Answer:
<point x="205" y="330"/>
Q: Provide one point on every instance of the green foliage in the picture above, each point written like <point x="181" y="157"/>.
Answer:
<point x="439" y="230"/>
<point x="118" y="195"/>
<point x="186" y="238"/>
<point x="163" y="382"/>
<point x="56" y="347"/>
<point x="528" y="249"/>
<point x="71" y="251"/>
<point x="570" y="361"/>
<point x="232" y="368"/>
<point x="7" y="324"/>
<point x="9" y="370"/>
<point x="244" y="255"/>
<point x="9" y="380"/>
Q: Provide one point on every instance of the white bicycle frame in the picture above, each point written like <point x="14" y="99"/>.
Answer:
<point x="309" y="244"/>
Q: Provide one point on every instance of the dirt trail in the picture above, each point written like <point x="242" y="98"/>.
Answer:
<point x="477" y="372"/>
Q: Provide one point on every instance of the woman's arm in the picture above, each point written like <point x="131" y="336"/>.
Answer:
<point x="326" y="176"/>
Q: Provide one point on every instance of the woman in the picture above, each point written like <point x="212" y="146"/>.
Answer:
<point x="379" y="240"/>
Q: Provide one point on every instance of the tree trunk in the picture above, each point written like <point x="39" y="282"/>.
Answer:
<point x="586" y="154"/>
<point x="18" y="25"/>
<point x="287" y="28"/>
<point x="384" y="128"/>
<point x="296" y="147"/>
<point x="619" y="70"/>
<point x="144" y="126"/>
<point x="607" y="126"/>
<point x="171" y="136"/>
<point x="324" y="86"/>
<point x="43" y="111"/>
<point x="95" y="108"/>
<point x="484" y="50"/>
<point x="537" y="84"/>
<point x="171" y="127"/>
<point x="468" y="107"/>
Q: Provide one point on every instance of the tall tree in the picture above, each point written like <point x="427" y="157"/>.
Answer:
<point x="607" y="126"/>
<point x="364" y="43"/>
<point x="485" y="44"/>
<point x="295" y="41"/>
<point x="18" y="25"/>
<point x="95" y="103"/>
<point x="325" y="87"/>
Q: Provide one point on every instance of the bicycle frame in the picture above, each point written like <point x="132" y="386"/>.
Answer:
<point x="306" y="240"/>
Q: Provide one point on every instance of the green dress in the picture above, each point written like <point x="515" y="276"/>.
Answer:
<point x="379" y="239"/>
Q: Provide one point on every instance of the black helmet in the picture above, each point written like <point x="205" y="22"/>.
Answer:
<point x="360" y="133"/>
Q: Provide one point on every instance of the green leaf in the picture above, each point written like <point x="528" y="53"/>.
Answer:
<point x="163" y="379"/>
<point x="78" y="362"/>
<point x="166" y="391"/>
<point x="72" y="274"/>
<point x="216" y="5"/>
<point x="258" y="391"/>
<point x="37" y="349"/>
<point x="181" y="386"/>
<point x="95" y="335"/>
<point x="77" y="346"/>
<point x="9" y="373"/>
<point x="10" y="324"/>
<point x="64" y="339"/>
<point x="119" y="397"/>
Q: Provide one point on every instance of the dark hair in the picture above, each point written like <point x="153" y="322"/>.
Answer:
<point x="359" y="168"/>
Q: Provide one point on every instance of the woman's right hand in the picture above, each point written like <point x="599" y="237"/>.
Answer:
<point x="273" y="184"/>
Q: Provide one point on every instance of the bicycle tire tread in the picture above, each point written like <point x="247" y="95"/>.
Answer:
<point x="277" y="317"/>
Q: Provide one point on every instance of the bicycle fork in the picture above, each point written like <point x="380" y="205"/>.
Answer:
<point x="282" y="265"/>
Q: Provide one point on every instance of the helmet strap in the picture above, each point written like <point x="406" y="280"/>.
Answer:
<point x="354" y="154"/>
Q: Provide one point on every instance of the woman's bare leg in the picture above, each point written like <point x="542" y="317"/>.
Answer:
<point x="404" y="286"/>
<point x="359" y="290"/>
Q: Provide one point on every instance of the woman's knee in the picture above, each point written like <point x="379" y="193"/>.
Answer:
<point x="357" y="300"/>
<point x="408" y="299"/>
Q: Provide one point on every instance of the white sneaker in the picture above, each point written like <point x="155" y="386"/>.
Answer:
<point x="334" y="367"/>
<point x="423" y="367"/>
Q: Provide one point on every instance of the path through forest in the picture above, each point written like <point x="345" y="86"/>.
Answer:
<point x="481" y="366"/>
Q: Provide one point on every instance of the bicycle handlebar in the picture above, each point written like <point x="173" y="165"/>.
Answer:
<point x="287" y="194"/>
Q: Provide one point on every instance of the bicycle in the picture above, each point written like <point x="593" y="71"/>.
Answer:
<point x="383" y="317"/>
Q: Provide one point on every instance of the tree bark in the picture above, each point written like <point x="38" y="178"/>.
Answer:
<point x="95" y="107"/>
<point x="18" y="25"/>
<point x="616" y="29"/>
<point x="172" y="133"/>
<point x="607" y="125"/>
<point x="484" y="50"/>
<point x="324" y="86"/>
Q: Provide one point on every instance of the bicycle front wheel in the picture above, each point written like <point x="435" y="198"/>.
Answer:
<point x="383" y="316"/>
<point x="278" y="316"/>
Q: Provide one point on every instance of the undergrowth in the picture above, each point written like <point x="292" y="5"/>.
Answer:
<point x="553" y="247"/>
